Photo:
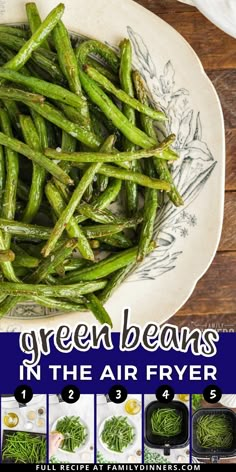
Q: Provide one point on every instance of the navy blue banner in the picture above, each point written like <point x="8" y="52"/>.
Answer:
<point x="140" y="371"/>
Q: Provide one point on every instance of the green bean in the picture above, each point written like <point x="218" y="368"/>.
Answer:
<point x="115" y="281"/>
<point x="20" y="32"/>
<point x="12" y="164"/>
<point x="34" y="20"/>
<point x="124" y="174"/>
<point x="36" y="39"/>
<point x="24" y="448"/>
<point x="95" y="47"/>
<point x="74" y="432"/>
<point x="39" y="174"/>
<point x="38" y="62"/>
<point x="72" y="228"/>
<point x="68" y="144"/>
<point x="53" y="91"/>
<point x="97" y="96"/>
<point x="147" y="123"/>
<point x="214" y="431"/>
<point x="105" y="267"/>
<point x="50" y="113"/>
<point x="102" y="69"/>
<point x="6" y="267"/>
<point x="35" y="156"/>
<point x="14" y="113"/>
<point x="166" y="422"/>
<point x="99" y="216"/>
<point x="123" y="96"/>
<point x="109" y="195"/>
<point x="2" y="174"/>
<point x="6" y="255"/>
<point x="48" y="265"/>
<point x="58" y="291"/>
<point x="25" y="230"/>
<point x="20" y="95"/>
<point x="118" y="240"/>
<point x="66" y="57"/>
<point x="23" y="259"/>
<point x="98" y="310"/>
<point x="117" y="433"/>
<point x="129" y="112"/>
<point x="68" y="212"/>
<point x="114" y="157"/>
<point x="22" y="190"/>
<point x="98" y="231"/>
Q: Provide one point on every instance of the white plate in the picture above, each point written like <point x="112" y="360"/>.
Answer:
<point x="189" y="236"/>
<point x="82" y="447"/>
<point x="128" y="448"/>
<point x="220" y="12"/>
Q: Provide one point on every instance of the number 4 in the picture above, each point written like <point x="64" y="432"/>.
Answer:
<point x="166" y="394"/>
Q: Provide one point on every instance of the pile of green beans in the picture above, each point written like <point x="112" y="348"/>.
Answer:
<point x="77" y="134"/>
<point x="24" y="448"/>
<point x="166" y="422"/>
<point x="117" y="433"/>
<point x="74" y="432"/>
<point x="214" y="431"/>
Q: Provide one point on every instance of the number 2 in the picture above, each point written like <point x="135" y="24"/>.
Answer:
<point x="71" y="394"/>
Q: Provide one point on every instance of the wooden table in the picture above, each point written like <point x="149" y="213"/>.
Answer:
<point x="213" y="303"/>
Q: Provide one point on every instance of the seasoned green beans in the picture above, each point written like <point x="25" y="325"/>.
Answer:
<point x="74" y="432"/>
<point x="166" y="422"/>
<point x="82" y="175"/>
<point x="117" y="433"/>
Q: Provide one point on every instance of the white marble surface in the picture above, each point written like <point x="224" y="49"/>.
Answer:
<point x="10" y="405"/>
<point x="178" y="455"/>
<point x="104" y="410"/>
<point x="84" y="408"/>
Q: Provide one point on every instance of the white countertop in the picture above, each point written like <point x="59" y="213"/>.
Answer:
<point x="10" y="405"/>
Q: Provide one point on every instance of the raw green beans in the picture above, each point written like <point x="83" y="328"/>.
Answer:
<point x="117" y="433"/>
<point x="74" y="432"/>
<point x="214" y="431"/>
<point x="166" y="422"/>
<point x="24" y="448"/>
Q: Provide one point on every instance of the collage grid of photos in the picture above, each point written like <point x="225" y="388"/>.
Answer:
<point x="141" y="429"/>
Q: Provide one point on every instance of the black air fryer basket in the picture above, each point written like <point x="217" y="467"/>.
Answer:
<point x="213" y="454"/>
<point x="161" y="442"/>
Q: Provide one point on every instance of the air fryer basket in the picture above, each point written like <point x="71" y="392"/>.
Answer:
<point x="213" y="454"/>
<point x="162" y="442"/>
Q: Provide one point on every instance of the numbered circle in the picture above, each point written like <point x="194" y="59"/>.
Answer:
<point x="165" y="394"/>
<point x="23" y="394"/>
<point x="118" y="394"/>
<point x="70" y="394"/>
<point x="212" y="394"/>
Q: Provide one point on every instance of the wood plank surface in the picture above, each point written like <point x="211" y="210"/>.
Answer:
<point x="213" y="302"/>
